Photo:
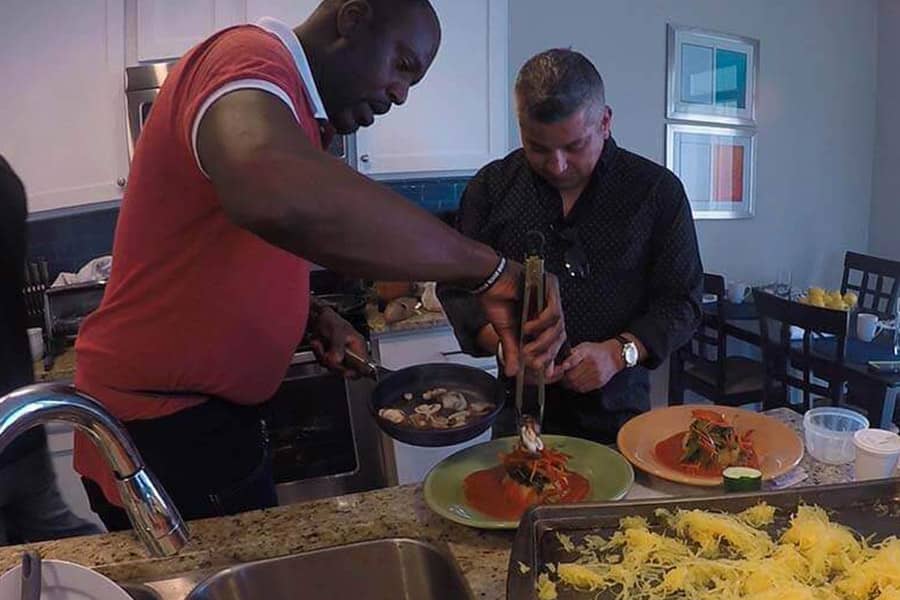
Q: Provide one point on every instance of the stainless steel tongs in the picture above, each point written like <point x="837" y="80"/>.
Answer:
<point x="532" y="305"/>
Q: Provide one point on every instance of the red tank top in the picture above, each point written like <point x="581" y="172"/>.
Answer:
<point x="194" y="303"/>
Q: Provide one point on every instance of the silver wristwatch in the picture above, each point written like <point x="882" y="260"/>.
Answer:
<point x="630" y="353"/>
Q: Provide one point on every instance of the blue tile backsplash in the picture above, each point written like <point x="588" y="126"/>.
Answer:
<point x="68" y="241"/>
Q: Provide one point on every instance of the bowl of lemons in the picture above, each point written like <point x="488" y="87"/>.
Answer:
<point x="833" y="299"/>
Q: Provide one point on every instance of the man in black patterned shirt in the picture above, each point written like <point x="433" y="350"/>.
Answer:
<point x="619" y="235"/>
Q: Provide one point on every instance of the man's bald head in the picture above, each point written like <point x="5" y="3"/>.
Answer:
<point x="366" y="54"/>
<point x="385" y="10"/>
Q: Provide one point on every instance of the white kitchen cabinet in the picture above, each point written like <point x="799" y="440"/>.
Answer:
<point x="399" y="350"/>
<point x="292" y="12"/>
<point x="456" y="119"/>
<point x="435" y="345"/>
<point x="62" y="106"/>
<point x="166" y="29"/>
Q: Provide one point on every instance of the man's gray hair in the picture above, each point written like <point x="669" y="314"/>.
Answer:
<point x="555" y="84"/>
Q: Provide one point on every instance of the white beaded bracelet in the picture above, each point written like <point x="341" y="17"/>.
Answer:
<point x="490" y="281"/>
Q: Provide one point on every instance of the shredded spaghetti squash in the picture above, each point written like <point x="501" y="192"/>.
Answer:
<point x="701" y="555"/>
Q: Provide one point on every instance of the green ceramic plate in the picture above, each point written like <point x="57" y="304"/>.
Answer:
<point x="610" y="475"/>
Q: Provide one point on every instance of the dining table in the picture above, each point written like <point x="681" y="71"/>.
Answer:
<point x="875" y="391"/>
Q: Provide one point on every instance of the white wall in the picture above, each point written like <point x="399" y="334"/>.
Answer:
<point x="816" y="113"/>
<point x="884" y="232"/>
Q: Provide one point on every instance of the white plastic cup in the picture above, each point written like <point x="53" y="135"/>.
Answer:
<point x="36" y="342"/>
<point x="877" y="453"/>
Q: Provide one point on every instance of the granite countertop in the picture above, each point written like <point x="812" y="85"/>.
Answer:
<point x="423" y="319"/>
<point x="393" y="512"/>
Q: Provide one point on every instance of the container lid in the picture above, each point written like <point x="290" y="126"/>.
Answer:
<point x="877" y="441"/>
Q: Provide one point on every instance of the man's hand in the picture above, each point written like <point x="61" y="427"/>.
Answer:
<point x="552" y="374"/>
<point x="590" y="366"/>
<point x="502" y="306"/>
<point x="330" y="337"/>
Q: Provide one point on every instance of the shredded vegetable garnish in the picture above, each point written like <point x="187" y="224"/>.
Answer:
<point x="712" y="441"/>
<point x="545" y="471"/>
<point x="701" y="555"/>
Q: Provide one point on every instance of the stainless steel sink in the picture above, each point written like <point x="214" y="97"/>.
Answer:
<point x="393" y="569"/>
<point x="141" y="592"/>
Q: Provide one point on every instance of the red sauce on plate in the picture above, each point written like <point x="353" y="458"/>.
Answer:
<point x="669" y="452"/>
<point x="491" y="492"/>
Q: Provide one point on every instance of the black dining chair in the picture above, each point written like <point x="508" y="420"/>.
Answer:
<point x="703" y="365"/>
<point x="792" y="363"/>
<point x="875" y="280"/>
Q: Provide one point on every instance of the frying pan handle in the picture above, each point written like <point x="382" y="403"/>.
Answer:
<point x="360" y="364"/>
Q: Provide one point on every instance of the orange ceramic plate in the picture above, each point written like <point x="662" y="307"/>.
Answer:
<point x="778" y="446"/>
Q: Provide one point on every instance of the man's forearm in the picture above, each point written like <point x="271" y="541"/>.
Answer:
<point x="355" y="226"/>
<point x="272" y="181"/>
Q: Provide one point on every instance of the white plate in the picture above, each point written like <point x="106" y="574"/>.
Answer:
<point x="64" y="581"/>
<point x="710" y="298"/>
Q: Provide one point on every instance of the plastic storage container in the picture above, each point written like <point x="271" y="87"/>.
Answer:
<point x="829" y="433"/>
<point x="877" y="453"/>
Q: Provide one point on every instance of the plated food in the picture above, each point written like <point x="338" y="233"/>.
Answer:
<point x="673" y="443"/>
<point x="437" y="408"/>
<point x="489" y="485"/>
<point x="522" y="480"/>
<point x="710" y="445"/>
<point x="702" y="555"/>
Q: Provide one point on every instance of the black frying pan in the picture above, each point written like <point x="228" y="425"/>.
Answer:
<point x="475" y="384"/>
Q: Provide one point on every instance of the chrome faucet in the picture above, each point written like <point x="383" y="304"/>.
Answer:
<point x="154" y="517"/>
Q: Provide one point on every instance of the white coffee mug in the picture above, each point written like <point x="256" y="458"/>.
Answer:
<point x="737" y="291"/>
<point x="867" y="326"/>
<point x="36" y="343"/>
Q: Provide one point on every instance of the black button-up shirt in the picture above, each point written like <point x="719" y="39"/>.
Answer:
<point x="16" y="368"/>
<point x="635" y="225"/>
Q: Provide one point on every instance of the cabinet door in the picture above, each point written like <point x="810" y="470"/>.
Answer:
<point x="400" y="350"/>
<point x="456" y="119"/>
<point x="168" y="28"/>
<point x="62" y="102"/>
<point x="292" y="12"/>
<point x="60" y="441"/>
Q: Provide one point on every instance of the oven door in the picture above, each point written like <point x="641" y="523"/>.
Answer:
<point x="322" y="438"/>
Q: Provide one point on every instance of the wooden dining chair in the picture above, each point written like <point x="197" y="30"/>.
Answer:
<point x="875" y="280"/>
<point x="791" y="363"/>
<point x="703" y="364"/>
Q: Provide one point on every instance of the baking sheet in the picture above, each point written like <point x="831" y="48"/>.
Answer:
<point x="871" y="509"/>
